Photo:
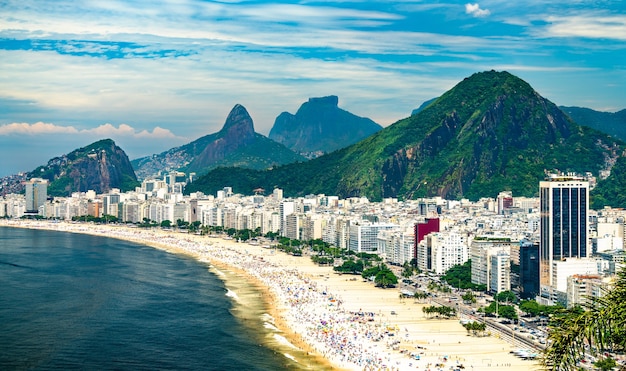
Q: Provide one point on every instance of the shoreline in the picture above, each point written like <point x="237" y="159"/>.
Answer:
<point x="336" y="322"/>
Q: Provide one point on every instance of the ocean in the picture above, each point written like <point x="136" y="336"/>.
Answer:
<point x="71" y="301"/>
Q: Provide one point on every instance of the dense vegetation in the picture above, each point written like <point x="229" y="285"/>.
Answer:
<point x="262" y="153"/>
<point x="611" y="191"/>
<point x="611" y="123"/>
<point x="460" y="276"/>
<point x="439" y="311"/>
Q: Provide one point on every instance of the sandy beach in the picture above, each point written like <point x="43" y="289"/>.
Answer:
<point x="338" y="320"/>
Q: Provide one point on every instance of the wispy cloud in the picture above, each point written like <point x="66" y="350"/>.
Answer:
<point x="105" y="130"/>
<point x="476" y="11"/>
<point x="592" y="26"/>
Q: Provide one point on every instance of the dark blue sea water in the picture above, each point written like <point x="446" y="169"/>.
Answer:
<point x="70" y="301"/>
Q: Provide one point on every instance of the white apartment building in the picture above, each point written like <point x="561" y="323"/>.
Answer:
<point x="285" y="208"/>
<point x="336" y="231"/>
<point x="363" y="237"/>
<point x="566" y="268"/>
<point x="581" y="288"/>
<point x="481" y="250"/>
<point x="397" y="246"/>
<point x="446" y="249"/>
<point x="500" y="272"/>
<point x="562" y="270"/>
<point x="293" y="226"/>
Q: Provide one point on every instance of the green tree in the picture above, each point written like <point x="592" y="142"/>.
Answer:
<point x="420" y="295"/>
<point x="443" y="311"/>
<point x="507" y="311"/>
<point x="530" y="307"/>
<point x="182" y="224"/>
<point x="475" y="327"/>
<point x="408" y="270"/>
<point x="506" y="297"/>
<point x="605" y="364"/>
<point x="469" y="297"/>
<point x="166" y="224"/>
<point x="350" y="266"/>
<point x="460" y="276"/>
<point x="370" y="272"/>
<point x="600" y="322"/>
<point x="385" y="278"/>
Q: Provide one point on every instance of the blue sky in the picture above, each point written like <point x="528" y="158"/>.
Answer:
<point x="156" y="74"/>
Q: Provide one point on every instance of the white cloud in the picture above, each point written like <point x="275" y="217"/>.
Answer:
<point x="476" y="11"/>
<point x="594" y="26"/>
<point x="105" y="130"/>
<point x="36" y="129"/>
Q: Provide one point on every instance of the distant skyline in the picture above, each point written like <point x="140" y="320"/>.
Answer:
<point x="155" y="75"/>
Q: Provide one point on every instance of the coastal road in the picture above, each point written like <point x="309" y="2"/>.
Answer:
<point x="505" y="333"/>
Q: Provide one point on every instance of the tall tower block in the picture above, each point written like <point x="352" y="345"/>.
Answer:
<point x="564" y="207"/>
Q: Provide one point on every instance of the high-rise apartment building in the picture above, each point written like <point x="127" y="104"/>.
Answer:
<point x="528" y="269"/>
<point x="36" y="194"/>
<point x="440" y="251"/>
<point x="564" y="209"/>
<point x="505" y="201"/>
<point x="364" y="236"/>
<point x="286" y="208"/>
<point x="500" y="272"/>
<point x="420" y="231"/>
<point x="482" y="248"/>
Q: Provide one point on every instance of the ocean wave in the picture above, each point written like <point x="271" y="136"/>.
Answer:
<point x="283" y="341"/>
<point x="231" y="294"/>
<point x="218" y="272"/>
<point x="270" y="326"/>
<point x="266" y="317"/>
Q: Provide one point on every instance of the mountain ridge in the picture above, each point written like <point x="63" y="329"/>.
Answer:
<point x="491" y="132"/>
<point x="612" y="123"/>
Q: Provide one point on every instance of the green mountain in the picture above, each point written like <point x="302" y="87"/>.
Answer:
<point x="423" y="105"/>
<point x="491" y="132"/>
<point x="99" y="166"/>
<point x="610" y="192"/>
<point x="236" y="144"/>
<point x="608" y="122"/>
<point x="320" y="126"/>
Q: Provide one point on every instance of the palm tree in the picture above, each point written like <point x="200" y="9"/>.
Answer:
<point x="599" y="329"/>
<point x="475" y="327"/>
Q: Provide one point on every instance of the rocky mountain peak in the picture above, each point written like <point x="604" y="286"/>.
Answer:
<point x="238" y="125"/>
<point x="320" y="126"/>
<point x="99" y="166"/>
<point x="331" y="100"/>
